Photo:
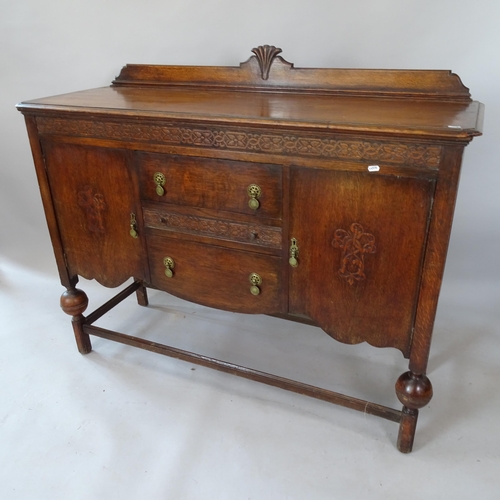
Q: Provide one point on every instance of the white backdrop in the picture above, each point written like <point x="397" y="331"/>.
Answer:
<point x="50" y="47"/>
<point x="54" y="46"/>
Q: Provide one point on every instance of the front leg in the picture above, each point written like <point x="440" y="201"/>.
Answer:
<point x="414" y="391"/>
<point x="142" y="295"/>
<point x="74" y="302"/>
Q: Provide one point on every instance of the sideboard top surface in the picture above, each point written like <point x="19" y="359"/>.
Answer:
<point x="266" y="90"/>
<point x="393" y="116"/>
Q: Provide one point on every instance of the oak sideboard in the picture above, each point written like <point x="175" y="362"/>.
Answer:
<point x="324" y="196"/>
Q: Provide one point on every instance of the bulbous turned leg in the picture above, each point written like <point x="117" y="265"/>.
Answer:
<point x="414" y="391"/>
<point x="74" y="302"/>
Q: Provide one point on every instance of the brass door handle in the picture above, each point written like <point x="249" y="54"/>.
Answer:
<point x="254" y="192"/>
<point x="133" y="226"/>
<point x="294" y="252"/>
<point x="169" y="264"/>
<point x="160" y="181"/>
<point x="255" y="281"/>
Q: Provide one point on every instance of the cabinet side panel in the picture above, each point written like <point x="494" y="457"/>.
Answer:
<point x="361" y="239"/>
<point x="95" y="192"/>
<point x="435" y="257"/>
<point x="67" y="280"/>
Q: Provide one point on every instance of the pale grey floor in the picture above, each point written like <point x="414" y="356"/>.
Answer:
<point x="129" y="424"/>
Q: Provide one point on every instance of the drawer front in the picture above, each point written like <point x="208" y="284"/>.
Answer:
<point x="258" y="235"/>
<point x="216" y="277"/>
<point x="213" y="184"/>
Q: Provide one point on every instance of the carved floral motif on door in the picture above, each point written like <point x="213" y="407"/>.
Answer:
<point x="93" y="204"/>
<point x="354" y="245"/>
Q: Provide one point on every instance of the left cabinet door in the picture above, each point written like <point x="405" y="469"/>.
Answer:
<point x="96" y="198"/>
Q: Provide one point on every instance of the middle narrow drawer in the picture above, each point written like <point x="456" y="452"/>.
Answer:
<point x="223" y="278"/>
<point x="233" y="186"/>
<point x="191" y="222"/>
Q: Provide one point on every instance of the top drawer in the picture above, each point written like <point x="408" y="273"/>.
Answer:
<point x="232" y="186"/>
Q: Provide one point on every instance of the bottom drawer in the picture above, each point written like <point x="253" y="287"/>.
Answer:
<point x="217" y="277"/>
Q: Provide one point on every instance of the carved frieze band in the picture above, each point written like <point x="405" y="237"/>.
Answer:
<point x="267" y="236"/>
<point x="259" y="141"/>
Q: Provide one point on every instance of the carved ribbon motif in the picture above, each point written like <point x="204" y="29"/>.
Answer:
<point x="354" y="245"/>
<point x="93" y="204"/>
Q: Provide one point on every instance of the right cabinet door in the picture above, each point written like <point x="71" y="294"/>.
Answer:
<point x="361" y="240"/>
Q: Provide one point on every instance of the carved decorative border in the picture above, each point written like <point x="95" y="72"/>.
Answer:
<point x="267" y="236"/>
<point x="245" y="140"/>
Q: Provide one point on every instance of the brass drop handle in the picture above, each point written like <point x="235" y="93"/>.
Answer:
<point x="169" y="264"/>
<point x="160" y="181"/>
<point x="254" y="192"/>
<point x="294" y="252"/>
<point x="255" y="280"/>
<point x="133" y="226"/>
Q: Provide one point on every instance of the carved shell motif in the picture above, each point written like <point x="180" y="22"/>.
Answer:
<point x="265" y="56"/>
